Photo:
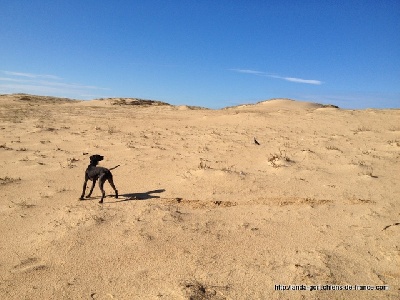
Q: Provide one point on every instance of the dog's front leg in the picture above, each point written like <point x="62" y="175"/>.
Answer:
<point x="91" y="189"/>
<point x="84" y="189"/>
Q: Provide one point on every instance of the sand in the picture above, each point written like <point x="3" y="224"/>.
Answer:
<point x="203" y="212"/>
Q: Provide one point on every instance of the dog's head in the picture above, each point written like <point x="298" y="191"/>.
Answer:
<point x="94" y="159"/>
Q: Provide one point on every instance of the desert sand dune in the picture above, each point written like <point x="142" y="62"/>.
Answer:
<point x="203" y="212"/>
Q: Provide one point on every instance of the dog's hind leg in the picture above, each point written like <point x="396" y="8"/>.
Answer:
<point x="101" y="186"/>
<point x="111" y="182"/>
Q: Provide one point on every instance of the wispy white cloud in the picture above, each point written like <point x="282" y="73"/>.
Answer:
<point x="299" y="80"/>
<point x="247" y="71"/>
<point x="17" y="82"/>
<point x="30" y="75"/>
<point x="291" y="79"/>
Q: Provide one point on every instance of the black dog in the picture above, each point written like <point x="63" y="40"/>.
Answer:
<point x="93" y="173"/>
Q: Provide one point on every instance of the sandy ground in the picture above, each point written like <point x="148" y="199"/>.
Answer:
<point x="203" y="212"/>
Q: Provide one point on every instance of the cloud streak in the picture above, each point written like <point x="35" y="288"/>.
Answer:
<point x="30" y="75"/>
<point x="248" y="71"/>
<point x="17" y="82"/>
<point x="290" y="79"/>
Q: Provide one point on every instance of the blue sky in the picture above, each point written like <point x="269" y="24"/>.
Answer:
<point x="207" y="53"/>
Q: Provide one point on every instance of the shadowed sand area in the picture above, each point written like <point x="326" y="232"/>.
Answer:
<point x="203" y="212"/>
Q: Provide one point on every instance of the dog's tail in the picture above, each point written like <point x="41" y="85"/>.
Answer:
<point x="114" y="167"/>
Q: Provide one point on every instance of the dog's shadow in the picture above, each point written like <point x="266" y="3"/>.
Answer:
<point x="140" y="196"/>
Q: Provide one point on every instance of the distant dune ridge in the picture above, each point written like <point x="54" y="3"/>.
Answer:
<point x="234" y="203"/>
<point x="277" y="103"/>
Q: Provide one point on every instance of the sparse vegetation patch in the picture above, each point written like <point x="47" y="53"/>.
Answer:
<point x="6" y="180"/>
<point x="362" y="129"/>
<point x="368" y="171"/>
<point x="23" y="204"/>
<point x="333" y="148"/>
<point x="276" y="158"/>
<point x="3" y="146"/>
<point x="137" y="102"/>
<point x="111" y="129"/>
<point x="394" y="143"/>
<point x="43" y="99"/>
<point x="71" y="161"/>
<point x="203" y="164"/>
